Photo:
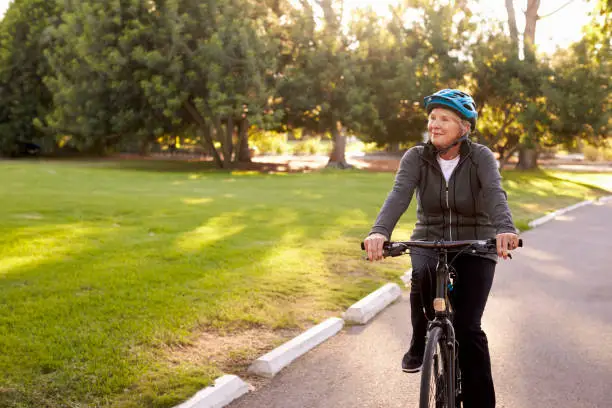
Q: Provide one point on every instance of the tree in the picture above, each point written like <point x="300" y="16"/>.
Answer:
<point x="508" y="94"/>
<point x="578" y="93"/>
<point x="409" y="60"/>
<point x="132" y="69"/>
<point x="23" y="95"/>
<point x="100" y="67"/>
<point x="320" y="88"/>
<point x="230" y="65"/>
<point x="528" y="149"/>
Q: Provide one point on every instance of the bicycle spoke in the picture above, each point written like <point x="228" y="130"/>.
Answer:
<point x="437" y="384"/>
<point x="434" y="380"/>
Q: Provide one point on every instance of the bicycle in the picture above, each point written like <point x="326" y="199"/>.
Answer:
<point x="441" y="377"/>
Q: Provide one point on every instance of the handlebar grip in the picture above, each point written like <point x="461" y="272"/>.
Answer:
<point x="385" y="245"/>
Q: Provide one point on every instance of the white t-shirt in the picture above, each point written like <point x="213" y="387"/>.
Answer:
<point x="448" y="166"/>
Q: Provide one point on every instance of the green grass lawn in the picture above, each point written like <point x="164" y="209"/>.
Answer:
<point x="123" y="283"/>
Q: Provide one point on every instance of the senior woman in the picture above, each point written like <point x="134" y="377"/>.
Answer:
<point x="459" y="197"/>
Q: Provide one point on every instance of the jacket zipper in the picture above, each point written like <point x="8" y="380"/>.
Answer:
<point x="461" y="160"/>
<point x="450" y="214"/>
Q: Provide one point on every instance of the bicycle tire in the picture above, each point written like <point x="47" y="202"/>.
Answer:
<point x="435" y="372"/>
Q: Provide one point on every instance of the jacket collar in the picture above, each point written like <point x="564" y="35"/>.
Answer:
<point x="429" y="152"/>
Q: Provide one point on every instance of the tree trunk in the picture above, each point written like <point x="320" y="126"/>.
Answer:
<point x="244" y="154"/>
<point x="98" y="147"/>
<point x="394" y="147"/>
<point x="528" y="155"/>
<point x="228" y="144"/>
<point x="337" y="157"/>
<point x="145" y="147"/>
<point x="503" y="158"/>
<point x="205" y="131"/>
<point x="528" y="159"/>
<point x="512" y="23"/>
<point x="331" y="17"/>
<point x="531" y="19"/>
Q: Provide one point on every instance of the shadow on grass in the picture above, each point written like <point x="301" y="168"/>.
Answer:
<point x="104" y="310"/>
<point x="184" y="166"/>
<point x="548" y="175"/>
<point x="598" y="190"/>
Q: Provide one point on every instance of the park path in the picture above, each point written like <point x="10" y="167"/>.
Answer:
<point x="549" y="323"/>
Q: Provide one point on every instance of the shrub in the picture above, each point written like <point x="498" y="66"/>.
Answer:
<point x="591" y="153"/>
<point x="310" y="146"/>
<point x="267" y="142"/>
<point x="361" y="147"/>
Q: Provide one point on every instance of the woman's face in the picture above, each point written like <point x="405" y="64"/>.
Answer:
<point x="444" y="127"/>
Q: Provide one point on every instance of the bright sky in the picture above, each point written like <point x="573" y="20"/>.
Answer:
<point x="3" y="6"/>
<point x="560" y="29"/>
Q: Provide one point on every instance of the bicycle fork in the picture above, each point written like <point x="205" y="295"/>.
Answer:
<point x="452" y="372"/>
<point x="443" y="312"/>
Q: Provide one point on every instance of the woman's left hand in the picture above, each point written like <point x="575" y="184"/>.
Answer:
<point x="505" y="242"/>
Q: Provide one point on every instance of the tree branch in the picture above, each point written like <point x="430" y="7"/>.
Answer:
<point x="306" y="5"/>
<point x="199" y="119"/>
<point x="560" y="8"/>
<point x="512" y="21"/>
<point x="399" y="19"/>
<point x="503" y="160"/>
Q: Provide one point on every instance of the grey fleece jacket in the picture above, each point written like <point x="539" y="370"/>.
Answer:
<point x="472" y="206"/>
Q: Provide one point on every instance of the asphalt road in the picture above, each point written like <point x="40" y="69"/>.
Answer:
<point x="549" y="323"/>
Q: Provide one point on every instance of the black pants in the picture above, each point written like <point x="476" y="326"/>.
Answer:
<point x="471" y="290"/>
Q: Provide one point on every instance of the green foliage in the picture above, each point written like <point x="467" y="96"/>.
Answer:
<point x="578" y="92"/>
<point x="229" y="57"/>
<point x="126" y="69"/>
<point x="594" y="153"/>
<point x="508" y="93"/>
<point x="124" y="72"/>
<point x="403" y="59"/>
<point x="310" y="146"/>
<point x="268" y="142"/>
<point x="102" y="59"/>
<point x="591" y="153"/>
<point x="23" y="95"/>
<point x="314" y="89"/>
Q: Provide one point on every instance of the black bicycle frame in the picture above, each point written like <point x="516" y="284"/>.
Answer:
<point x="443" y="316"/>
<point x="441" y="303"/>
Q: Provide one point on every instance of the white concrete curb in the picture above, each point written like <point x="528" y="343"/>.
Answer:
<point x="270" y="364"/>
<point x="555" y="214"/>
<point x="225" y="390"/>
<point x="368" y="307"/>
<point x="407" y="277"/>
<point x="605" y="199"/>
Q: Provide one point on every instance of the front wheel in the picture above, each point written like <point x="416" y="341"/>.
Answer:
<point x="436" y="372"/>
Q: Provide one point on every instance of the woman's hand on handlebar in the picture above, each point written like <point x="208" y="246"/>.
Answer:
<point x="374" y="246"/>
<point x="506" y="242"/>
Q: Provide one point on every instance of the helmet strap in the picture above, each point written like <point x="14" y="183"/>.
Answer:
<point x="455" y="143"/>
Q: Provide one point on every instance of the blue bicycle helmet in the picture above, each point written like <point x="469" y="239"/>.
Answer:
<point x="455" y="100"/>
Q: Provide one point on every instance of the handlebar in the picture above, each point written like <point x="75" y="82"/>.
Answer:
<point x="397" y="248"/>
